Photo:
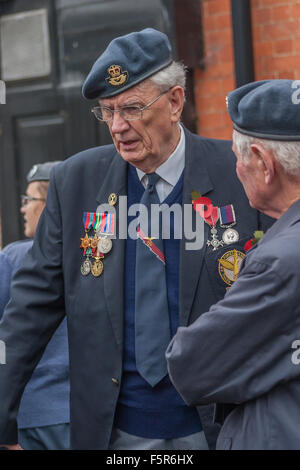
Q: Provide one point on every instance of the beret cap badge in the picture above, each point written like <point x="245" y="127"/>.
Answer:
<point x="117" y="76"/>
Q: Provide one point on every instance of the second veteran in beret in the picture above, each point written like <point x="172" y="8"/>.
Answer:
<point x="125" y="292"/>
<point x="244" y="353"/>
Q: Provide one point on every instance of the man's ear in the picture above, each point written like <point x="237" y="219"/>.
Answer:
<point x="176" y="99"/>
<point x="265" y="161"/>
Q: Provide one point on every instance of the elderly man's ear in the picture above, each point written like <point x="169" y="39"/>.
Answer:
<point x="176" y="97"/>
<point x="265" y="161"/>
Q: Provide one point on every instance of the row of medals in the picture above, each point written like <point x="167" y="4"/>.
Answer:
<point x="96" y="247"/>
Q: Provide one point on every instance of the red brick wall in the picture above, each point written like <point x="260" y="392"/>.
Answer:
<point x="276" y="38"/>
<point x="276" y="45"/>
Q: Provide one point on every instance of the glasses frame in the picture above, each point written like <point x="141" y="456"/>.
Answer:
<point x="96" y="108"/>
<point x="26" y="199"/>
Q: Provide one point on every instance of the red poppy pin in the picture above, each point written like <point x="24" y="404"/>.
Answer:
<point x="258" y="234"/>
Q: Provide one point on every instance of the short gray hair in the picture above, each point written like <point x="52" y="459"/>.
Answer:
<point x="286" y="153"/>
<point x="173" y="75"/>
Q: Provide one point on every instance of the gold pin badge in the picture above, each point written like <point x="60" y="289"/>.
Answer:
<point x="112" y="200"/>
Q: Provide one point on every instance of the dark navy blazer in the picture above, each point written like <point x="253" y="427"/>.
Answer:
<point x="50" y="284"/>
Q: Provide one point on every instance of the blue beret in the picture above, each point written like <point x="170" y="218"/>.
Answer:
<point x="41" y="171"/>
<point x="127" y="61"/>
<point x="267" y="109"/>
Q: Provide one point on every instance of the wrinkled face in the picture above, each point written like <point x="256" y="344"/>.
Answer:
<point x="146" y="143"/>
<point x="252" y="178"/>
<point x="33" y="209"/>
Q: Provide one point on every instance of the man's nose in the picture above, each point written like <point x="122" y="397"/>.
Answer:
<point x="118" y="124"/>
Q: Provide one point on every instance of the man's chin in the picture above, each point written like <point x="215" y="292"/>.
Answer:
<point x="134" y="158"/>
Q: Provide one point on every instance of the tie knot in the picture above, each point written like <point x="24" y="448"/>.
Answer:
<point x="152" y="180"/>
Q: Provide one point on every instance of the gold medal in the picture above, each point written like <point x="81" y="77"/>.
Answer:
<point x="97" y="267"/>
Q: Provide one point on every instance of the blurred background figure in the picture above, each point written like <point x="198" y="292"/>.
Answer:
<point x="43" y="419"/>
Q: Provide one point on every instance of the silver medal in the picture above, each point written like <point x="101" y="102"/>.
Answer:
<point x="104" y="245"/>
<point x="86" y="267"/>
<point x="214" y="242"/>
<point x="230" y="236"/>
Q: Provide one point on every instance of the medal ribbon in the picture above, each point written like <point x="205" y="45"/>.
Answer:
<point x="97" y="221"/>
<point x="227" y="215"/>
<point x="210" y="214"/>
<point x="88" y="220"/>
<point x="107" y="223"/>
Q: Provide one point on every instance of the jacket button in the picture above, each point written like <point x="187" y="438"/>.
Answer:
<point x="115" y="381"/>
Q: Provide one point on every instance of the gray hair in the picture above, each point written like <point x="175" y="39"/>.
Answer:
<point x="173" y="75"/>
<point x="286" y="153"/>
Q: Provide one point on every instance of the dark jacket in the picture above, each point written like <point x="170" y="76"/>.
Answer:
<point x="94" y="306"/>
<point x="246" y="349"/>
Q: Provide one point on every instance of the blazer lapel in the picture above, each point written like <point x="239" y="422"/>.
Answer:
<point x="115" y="182"/>
<point x="196" y="178"/>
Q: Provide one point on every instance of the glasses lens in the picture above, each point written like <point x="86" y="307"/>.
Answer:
<point x="131" y="113"/>
<point x="24" y="200"/>
<point x="102" y="113"/>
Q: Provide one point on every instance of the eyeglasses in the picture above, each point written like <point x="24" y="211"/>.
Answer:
<point x="26" y="199"/>
<point x="129" y="113"/>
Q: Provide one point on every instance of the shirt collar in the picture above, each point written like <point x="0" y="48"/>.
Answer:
<point x="171" y="169"/>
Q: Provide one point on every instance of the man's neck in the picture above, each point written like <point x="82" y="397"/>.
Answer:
<point x="285" y="197"/>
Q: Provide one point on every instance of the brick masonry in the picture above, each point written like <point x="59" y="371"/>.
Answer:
<point x="276" y="49"/>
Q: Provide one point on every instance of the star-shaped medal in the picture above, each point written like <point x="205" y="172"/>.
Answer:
<point x="85" y="243"/>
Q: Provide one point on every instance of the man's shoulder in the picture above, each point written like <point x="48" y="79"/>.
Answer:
<point x="101" y="152"/>
<point x="280" y="252"/>
<point x="86" y="165"/>
<point x="224" y="145"/>
<point x="214" y="151"/>
<point x="218" y="161"/>
<point x="15" y="252"/>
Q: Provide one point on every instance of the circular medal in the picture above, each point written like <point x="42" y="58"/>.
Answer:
<point x="86" y="267"/>
<point x="230" y="236"/>
<point x="104" y="245"/>
<point x="97" y="268"/>
<point x="229" y="265"/>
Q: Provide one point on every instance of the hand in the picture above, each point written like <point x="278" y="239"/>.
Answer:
<point x="12" y="446"/>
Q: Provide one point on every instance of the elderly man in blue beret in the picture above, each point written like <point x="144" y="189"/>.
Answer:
<point x="125" y="295"/>
<point x="244" y="353"/>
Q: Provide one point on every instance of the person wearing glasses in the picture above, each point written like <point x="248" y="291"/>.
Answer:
<point x="43" y="417"/>
<point x="124" y="296"/>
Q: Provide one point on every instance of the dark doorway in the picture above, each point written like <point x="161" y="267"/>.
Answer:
<point x="46" y="49"/>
